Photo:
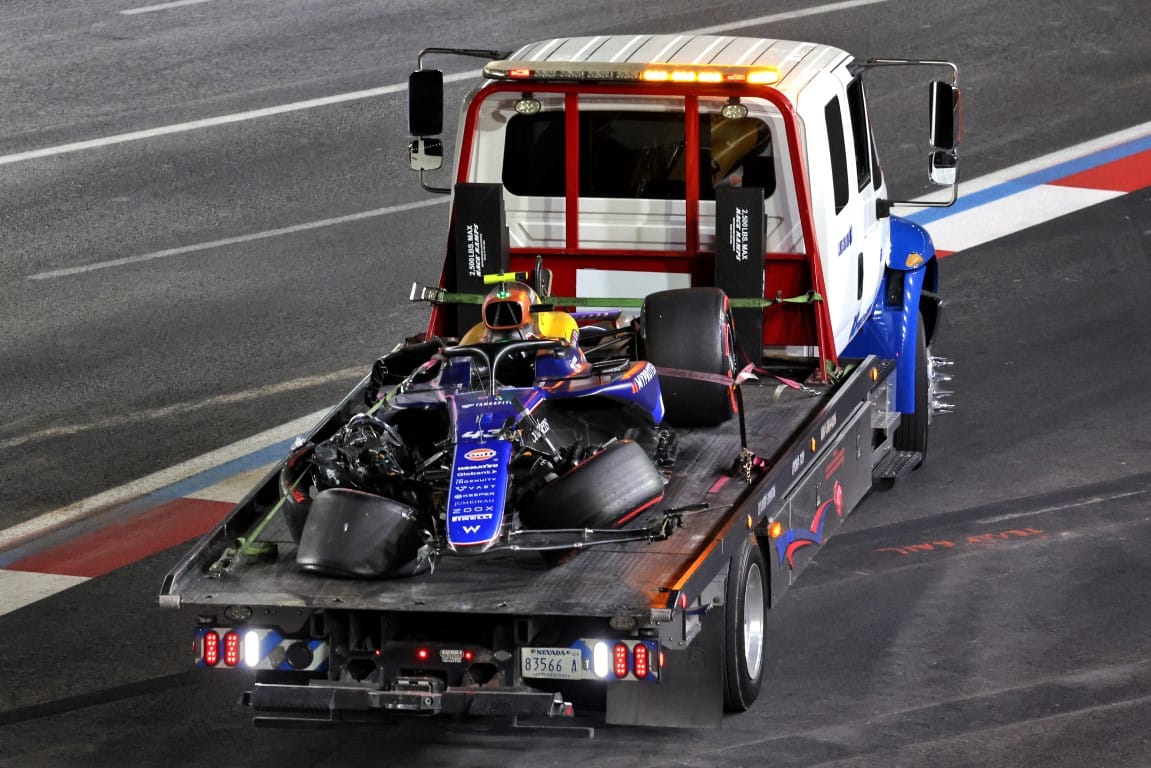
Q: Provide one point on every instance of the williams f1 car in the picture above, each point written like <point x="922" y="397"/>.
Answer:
<point x="539" y="429"/>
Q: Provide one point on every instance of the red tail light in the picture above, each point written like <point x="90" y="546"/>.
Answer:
<point x="621" y="654"/>
<point x="640" y="656"/>
<point x="423" y="654"/>
<point x="231" y="649"/>
<point x="211" y="648"/>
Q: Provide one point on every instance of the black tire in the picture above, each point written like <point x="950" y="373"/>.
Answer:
<point x="911" y="434"/>
<point x="744" y="644"/>
<point x="605" y="491"/>
<point x="296" y="501"/>
<point x="690" y="328"/>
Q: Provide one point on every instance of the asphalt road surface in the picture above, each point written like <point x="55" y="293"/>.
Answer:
<point x="991" y="610"/>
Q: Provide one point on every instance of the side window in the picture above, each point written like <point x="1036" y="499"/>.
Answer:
<point x="534" y="155"/>
<point x="835" y="144"/>
<point x="859" y="132"/>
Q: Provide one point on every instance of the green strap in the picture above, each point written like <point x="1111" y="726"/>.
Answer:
<point x="630" y="303"/>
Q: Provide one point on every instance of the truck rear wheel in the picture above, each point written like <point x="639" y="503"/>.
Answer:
<point x="689" y="329"/>
<point x="911" y="434"/>
<point x="744" y="634"/>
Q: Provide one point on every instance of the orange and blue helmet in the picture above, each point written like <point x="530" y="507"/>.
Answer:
<point x="508" y="307"/>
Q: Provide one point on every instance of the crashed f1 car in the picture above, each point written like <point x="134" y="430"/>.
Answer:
<point x="539" y="430"/>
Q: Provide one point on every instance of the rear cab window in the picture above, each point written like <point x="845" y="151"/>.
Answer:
<point x="632" y="169"/>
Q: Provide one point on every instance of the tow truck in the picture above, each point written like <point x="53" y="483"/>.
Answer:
<point x="640" y="188"/>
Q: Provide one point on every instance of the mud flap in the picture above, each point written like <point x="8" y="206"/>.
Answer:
<point x="690" y="689"/>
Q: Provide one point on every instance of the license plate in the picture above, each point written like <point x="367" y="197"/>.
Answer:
<point x="553" y="663"/>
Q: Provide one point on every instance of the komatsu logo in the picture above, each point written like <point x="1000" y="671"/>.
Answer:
<point x="479" y="454"/>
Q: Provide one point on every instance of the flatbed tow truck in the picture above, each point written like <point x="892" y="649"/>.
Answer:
<point x="637" y="168"/>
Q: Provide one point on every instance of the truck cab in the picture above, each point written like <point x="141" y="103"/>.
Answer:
<point x="611" y="152"/>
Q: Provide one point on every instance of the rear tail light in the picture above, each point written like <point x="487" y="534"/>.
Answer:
<point x="211" y="648"/>
<point x="231" y="649"/>
<point x="641" y="659"/>
<point x="621" y="656"/>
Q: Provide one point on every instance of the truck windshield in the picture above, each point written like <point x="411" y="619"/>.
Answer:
<point x="635" y="155"/>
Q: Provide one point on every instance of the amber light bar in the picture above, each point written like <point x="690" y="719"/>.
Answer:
<point x="598" y="71"/>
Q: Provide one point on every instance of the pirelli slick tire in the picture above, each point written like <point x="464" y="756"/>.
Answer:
<point x="911" y="434"/>
<point x="690" y="329"/>
<point x="606" y="491"/>
<point x="744" y="642"/>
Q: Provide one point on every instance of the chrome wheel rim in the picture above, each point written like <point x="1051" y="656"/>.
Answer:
<point x="753" y="616"/>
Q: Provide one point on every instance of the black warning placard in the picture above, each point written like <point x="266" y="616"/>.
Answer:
<point x="739" y="244"/>
<point x="481" y="240"/>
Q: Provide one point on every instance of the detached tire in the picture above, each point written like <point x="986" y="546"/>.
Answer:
<point x="744" y="643"/>
<point x="911" y="434"/>
<point x="605" y="491"/>
<point x="689" y="328"/>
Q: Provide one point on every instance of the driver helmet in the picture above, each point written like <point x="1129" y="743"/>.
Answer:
<point x="509" y="307"/>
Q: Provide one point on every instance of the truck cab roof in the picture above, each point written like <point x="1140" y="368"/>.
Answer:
<point x="787" y="65"/>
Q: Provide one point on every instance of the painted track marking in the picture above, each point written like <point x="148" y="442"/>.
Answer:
<point x="161" y="7"/>
<point x="340" y="98"/>
<point x="179" y="409"/>
<point x="197" y="247"/>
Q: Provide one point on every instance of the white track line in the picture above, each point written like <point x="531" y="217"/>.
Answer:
<point x="179" y="409"/>
<point x="38" y="526"/>
<point x="67" y="271"/>
<point x="784" y="16"/>
<point x="208" y="122"/>
<point x="162" y="7"/>
<point x="255" y="114"/>
<point x="21" y="588"/>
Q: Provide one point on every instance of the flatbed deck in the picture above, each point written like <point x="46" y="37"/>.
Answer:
<point x="601" y="581"/>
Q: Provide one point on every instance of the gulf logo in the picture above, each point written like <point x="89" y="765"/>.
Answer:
<point x="479" y="454"/>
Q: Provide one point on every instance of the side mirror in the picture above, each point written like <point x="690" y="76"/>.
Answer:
<point x="943" y="168"/>
<point x="944" y="116"/>
<point x="426" y="102"/>
<point x="426" y="154"/>
<point x="944" y="161"/>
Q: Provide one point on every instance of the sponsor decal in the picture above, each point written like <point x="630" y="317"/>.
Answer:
<point x="828" y="425"/>
<point x="767" y="499"/>
<point x="845" y="243"/>
<point x="477" y="494"/>
<point x="479" y="454"/>
<point x="643" y="378"/>
<point x="797" y="538"/>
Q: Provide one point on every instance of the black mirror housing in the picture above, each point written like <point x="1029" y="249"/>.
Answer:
<point x="944" y="116"/>
<point x="426" y="102"/>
